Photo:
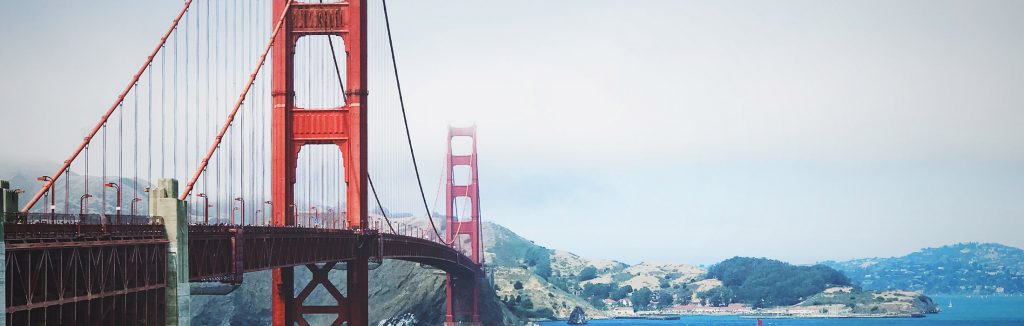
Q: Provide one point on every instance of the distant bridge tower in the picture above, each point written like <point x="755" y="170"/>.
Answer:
<point x="463" y="194"/>
<point x="293" y="127"/>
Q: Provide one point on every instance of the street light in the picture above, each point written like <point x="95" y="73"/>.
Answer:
<point x="271" y="210"/>
<point x="118" y="208"/>
<point x="53" y="208"/>
<point x="135" y="200"/>
<point x="240" y="200"/>
<point x="81" y="204"/>
<point x="206" y="208"/>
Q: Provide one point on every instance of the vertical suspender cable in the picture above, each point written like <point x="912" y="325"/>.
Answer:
<point x="163" y="107"/>
<point x="135" y="150"/>
<point x="185" y="132"/>
<point x="174" y="110"/>
<point x="405" y="120"/>
<point x="67" y="163"/>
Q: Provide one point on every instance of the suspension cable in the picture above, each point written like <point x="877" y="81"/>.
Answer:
<point x="405" y="120"/>
<point x="341" y="83"/>
<point x="238" y="104"/>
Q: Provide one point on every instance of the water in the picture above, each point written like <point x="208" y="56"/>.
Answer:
<point x="974" y="310"/>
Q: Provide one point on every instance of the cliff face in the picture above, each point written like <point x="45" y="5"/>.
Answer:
<point x="399" y="292"/>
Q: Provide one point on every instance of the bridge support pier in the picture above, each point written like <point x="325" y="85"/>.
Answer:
<point x="358" y="279"/>
<point x="164" y="207"/>
<point x="352" y="308"/>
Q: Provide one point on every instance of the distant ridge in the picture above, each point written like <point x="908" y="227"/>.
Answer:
<point x="962" y="268"/>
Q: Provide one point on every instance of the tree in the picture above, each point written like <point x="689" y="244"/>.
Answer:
<point x="540" y="259"/>
<point x="716" y="297"/>
<point x="597" y="290"/>
<point x="664" y="299"/>
<point x="527" y="303"/>
<point x="518" y="285"/>
<point x="641" y="299"/>
<point x="588" y="273"/>
<point x="621" y="292"/>
<point x="766" y="282"/>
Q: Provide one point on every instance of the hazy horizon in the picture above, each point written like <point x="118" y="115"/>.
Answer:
<point x="683" y="131"/>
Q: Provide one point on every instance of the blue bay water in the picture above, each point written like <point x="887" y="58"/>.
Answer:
<point x="973" y="310"/>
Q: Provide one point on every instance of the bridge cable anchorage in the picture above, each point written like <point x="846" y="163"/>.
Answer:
<point x="405" y="120"/>
<point x="238" y="104"/>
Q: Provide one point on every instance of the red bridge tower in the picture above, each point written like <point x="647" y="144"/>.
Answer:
<point x="469" y="193"/>
<point x="293" y="127"/>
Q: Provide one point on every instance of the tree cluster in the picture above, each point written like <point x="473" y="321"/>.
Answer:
<point x="762" y="282"/>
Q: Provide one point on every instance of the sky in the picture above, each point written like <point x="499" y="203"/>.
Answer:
<point x="672" y="131"/>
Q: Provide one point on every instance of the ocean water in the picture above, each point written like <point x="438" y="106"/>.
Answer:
<point x="973" y="310"/>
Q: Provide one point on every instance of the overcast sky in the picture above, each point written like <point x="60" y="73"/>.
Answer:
<point x="651" y="130"/>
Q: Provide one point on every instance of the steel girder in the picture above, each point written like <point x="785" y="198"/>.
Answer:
<point x="57" y="274"/>
<point x="222" y="253"/>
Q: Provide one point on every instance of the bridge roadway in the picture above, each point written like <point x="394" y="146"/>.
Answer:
<point x="117" y="274"/>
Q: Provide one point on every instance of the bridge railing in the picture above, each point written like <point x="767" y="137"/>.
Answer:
<point x="380" y="225"/>
<point x="83" y="219"/>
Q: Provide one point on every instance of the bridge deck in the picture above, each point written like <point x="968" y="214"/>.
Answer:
<point x="65" y="272"/>
<point x="218" y="252"/>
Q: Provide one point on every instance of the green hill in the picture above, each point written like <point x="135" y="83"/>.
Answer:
<point x="762" y="282"/>
<point x="964" y="268"/>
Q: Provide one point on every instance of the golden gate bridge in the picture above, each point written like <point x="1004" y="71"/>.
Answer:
<point x="286" y="122"/>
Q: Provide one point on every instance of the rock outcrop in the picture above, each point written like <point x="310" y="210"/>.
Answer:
<point x="577" y="317"/>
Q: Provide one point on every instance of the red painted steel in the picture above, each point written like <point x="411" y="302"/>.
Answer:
<point x="40" y="256"/>
<point x="57" y="274"/>
<point x="121" y="254"/>
<point x="455" y="228"/>
<point x="292" y="127"/>
<point x="120" y="98"/>
<point x="213" y="250"/>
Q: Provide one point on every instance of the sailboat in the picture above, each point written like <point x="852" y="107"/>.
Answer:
<point x="950" y="304"/>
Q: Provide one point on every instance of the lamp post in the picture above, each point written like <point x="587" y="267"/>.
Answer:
<point x="118" y="208"/>
<point x="134" y="201"/>
<point x="242" y="201"/>
<point x="81" y="206"/>
<point x="206" y="207"/>
<point x="271" y="210"/>
<point x="53" y="207"/>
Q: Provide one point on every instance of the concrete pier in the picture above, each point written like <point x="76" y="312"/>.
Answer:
<point x="166" y="209"/>
<point x="8" y="204"/>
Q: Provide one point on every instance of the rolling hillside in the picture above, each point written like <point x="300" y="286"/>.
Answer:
<point x="964" y="268"/>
